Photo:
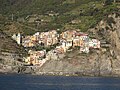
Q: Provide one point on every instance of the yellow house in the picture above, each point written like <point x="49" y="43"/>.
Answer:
<point x="27" y="60"/>
<point x="76" y="42"/>
<point x="33" y="38"/>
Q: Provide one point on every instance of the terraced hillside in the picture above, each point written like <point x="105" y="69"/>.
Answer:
<point x="67" y="14"/>
<point x="9" y="45"/>
<point x="30" y="16"/>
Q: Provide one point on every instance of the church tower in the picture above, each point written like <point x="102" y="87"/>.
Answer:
<point x="19" y="38"/>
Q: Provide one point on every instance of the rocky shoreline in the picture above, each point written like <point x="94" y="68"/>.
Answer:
<point x="32" y="71"/>
<point x="58" y="74"/>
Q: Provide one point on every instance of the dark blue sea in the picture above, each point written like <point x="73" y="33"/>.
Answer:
<point x="30" y="82"/>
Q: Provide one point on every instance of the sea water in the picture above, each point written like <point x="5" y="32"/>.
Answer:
<point x="32" y="82"/>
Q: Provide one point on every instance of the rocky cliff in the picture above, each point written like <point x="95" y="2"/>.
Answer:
<point x="102" y="62"/>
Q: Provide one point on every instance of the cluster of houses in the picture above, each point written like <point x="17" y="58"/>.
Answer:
<point x="36" y="57"/>
<point x="43" y="39"/>
<point x="64" y="41"/>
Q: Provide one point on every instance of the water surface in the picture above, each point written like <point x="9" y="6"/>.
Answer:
<point x="30" y="82"/>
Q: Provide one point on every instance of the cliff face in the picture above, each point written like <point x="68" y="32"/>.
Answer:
<point x="114" y="36"/>
<point x="109" y="31"/>
<point x="103" y="62"/>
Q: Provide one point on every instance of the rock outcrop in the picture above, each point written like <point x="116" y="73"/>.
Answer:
<point x="103" y="62"/>
<point x="109" y="31"/>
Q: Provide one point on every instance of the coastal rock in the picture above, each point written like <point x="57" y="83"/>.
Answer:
<point x="106" y="65"/>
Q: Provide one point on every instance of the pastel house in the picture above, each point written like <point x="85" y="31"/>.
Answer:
<point x="35" y="57"/>
<point x="68" y="34"/>
<point x="84" y="49"/>
<point x="76" y="42"/>
<point x="94" y="43"/>
<point x="60" y="49"/>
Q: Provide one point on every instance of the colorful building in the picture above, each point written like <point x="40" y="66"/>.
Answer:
<point x="94" y="43"/>
<point x="66" y="40"/>
<point x="35" y="57"/>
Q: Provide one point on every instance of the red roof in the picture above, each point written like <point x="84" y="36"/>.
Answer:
<point x="81" y="34"/>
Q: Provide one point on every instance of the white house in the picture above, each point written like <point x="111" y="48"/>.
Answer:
<point x="94" y="43"/>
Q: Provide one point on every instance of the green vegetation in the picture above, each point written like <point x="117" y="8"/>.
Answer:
<point x="88" y="12"/>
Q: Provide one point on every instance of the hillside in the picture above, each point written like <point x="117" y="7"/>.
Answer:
<point x="39" y="6"/>
<point x="57" y="14"/>
<point x="30" y="16"/>
<point x="102" y="62"/>
<point x="9" y="45"/>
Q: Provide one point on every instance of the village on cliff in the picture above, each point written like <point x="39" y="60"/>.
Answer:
<point x="62" y="42"/>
